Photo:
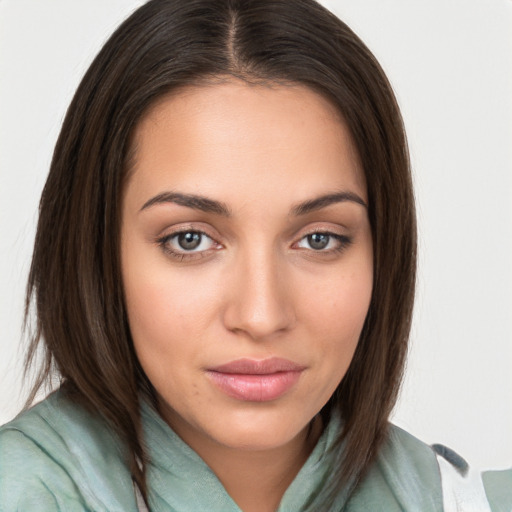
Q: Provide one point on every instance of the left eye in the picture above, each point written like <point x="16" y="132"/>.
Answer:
<point x="320" y="241"/>
<point x="189" y="241"/>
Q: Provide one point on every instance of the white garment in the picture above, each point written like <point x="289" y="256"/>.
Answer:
<point x="463" y="489"/>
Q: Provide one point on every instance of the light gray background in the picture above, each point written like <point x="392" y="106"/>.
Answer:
<point x="450" y="62"/>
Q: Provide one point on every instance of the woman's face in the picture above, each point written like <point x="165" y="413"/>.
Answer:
<point x="246" y="260"/>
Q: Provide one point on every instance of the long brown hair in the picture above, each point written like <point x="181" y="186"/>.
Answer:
<point x="75" y="280"/>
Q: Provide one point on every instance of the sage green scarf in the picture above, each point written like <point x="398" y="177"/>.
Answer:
<point x="57" y="457"/>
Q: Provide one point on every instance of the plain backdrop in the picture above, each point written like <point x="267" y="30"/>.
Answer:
<point x="450" y="63"/>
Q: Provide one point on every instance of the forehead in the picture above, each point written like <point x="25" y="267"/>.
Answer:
<point x="240" y="136"/>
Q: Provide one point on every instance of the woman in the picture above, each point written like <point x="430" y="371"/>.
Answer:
<point x="223" y="276"/>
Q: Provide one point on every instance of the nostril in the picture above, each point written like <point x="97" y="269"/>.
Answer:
<point x="260" y="308"/>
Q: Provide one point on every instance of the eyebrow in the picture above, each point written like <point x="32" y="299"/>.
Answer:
<point x="326" y="200"/>
<point x="207" y="205"/>
<point x="190" y="201"/>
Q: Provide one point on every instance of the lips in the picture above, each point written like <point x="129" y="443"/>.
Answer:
<point x="256" y="381"/>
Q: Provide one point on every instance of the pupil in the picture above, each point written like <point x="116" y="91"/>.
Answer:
<point x="189" y="241"/>
<point x="318" y="240"/>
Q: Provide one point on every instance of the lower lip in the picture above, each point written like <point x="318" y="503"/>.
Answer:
<point x="255" y="388"/>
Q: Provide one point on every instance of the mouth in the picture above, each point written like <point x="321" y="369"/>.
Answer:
<point x="256" y="381"/>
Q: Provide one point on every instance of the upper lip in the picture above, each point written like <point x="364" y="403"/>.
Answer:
<point x="258" y="367"/>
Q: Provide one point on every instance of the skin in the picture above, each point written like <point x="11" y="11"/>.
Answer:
<point x="255" y="287"/>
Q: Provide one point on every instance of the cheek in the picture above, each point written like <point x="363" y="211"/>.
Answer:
<point x="159" y="326"/>
<point x="337" y="310"/>
<point x="339" y="304"/>
<point x="160" y="311"/>
<point x="151" y="303"/>
<point x="168" y="310"/>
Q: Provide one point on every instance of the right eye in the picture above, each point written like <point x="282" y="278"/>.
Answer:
<point x="185" y="243"/>
<point x="191" y="241"/>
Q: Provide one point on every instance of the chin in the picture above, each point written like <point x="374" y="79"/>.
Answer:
<point x="258" y="430"/>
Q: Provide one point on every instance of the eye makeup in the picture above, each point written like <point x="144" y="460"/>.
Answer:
<point x="189" y="244"/>
<point x="325" y="242"/>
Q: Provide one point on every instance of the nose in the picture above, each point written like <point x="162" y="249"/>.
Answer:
<point x="260" y="301"/>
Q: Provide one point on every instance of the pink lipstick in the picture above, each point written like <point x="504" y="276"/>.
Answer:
<point x="256" y="381"/>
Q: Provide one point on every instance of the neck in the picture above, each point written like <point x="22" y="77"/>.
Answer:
<point x="257" y="480"/>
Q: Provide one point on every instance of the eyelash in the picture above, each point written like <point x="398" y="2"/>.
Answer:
<point x="164" y="243"/>
<point x="343" y="243"/>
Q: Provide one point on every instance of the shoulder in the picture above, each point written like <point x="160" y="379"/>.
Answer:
<point x="498" y="487"/>
<point x="412" y="475"/>
<point x="56" y="456"/>
<point x="405" y="476"/>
